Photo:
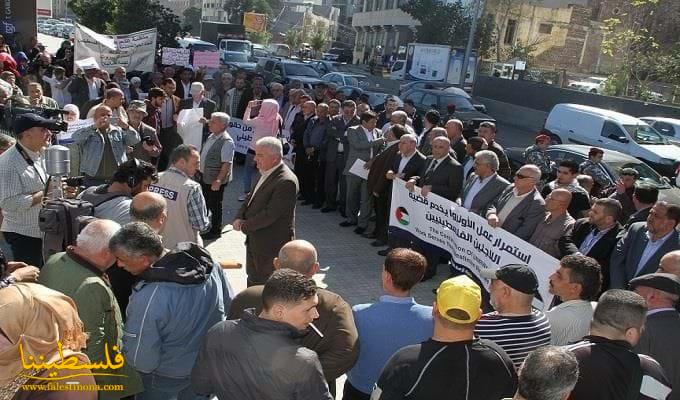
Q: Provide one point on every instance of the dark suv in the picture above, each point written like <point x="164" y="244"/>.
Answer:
<point x="428" y="99"/>
<point x="283" y="71"/>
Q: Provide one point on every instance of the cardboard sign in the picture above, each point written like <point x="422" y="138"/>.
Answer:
<point x="135" y="51"/>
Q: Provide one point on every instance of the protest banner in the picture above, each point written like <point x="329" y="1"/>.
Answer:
<point x="473" y="244"/>
<point x="209" y="59"/>
<point x="135" y="51"/>
<point x="65" y="137"/>
<point x="241" y="133"/>
<point x="255" y="22"/>
<point x="173" y="56"/>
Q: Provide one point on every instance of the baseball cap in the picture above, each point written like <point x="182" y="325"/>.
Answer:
<point x="665" y="282"/>
<point x="518" y="276"/>
<point x="27" y="121"/>
<point x="459" y="300"/>
<point x="137" y="105"/>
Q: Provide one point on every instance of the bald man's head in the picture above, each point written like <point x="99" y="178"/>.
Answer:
<point x="670" y="263"/>
<point x="298" y="255"/>
<point x="150" y="208"/>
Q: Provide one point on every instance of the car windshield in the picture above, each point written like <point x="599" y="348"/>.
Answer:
<point x="241" y="47"/>
<point x="300" y="70"/>
<point x="236" y="57"/>
<point x="351" y="81"/>
<point x="461" y="103"/>
<point x="203" y="47"/>
<point x="594" y="80"/>
<point x="647" y="174"/>
<point x="645" y="134"/>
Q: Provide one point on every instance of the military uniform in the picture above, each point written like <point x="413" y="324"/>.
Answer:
<point x="593" y="169"/>
<point x="534" y="155"/>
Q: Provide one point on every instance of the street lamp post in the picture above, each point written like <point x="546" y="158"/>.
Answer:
<point x="479" y="5"/>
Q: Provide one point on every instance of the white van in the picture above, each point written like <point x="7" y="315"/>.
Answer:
<point x="579" y="124"/>
<point x="397" y="70"/>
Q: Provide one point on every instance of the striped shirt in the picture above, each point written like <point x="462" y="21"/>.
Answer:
<point x="570" y="321"/>
<point x="517" y="335"/>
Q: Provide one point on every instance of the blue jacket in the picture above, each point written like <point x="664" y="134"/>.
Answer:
<point x="91" y="144"/>
<point x="179" y="298"/>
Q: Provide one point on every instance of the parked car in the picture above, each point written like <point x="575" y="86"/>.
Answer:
<point x="323" y="67"/>
<point x="342" y="79"/>
<point x="235" y="61"/>
<point x="471" y="115"/>
<point x="375" y="99"/>
<point x="338" y="54"/>
<point x="612" y="164"/>
<point x="669" y="127"/>
<point x="432" y="85"/>
<point x="283" y="71"/>
<point x="610" y="130"/>
<point x="593" y="84"/>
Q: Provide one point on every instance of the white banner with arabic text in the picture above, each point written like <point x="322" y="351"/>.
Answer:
<point x="135" y="51"/>
<point x="470" y="240"/>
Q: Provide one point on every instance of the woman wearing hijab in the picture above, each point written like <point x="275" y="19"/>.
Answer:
<point x="267" y="122"/>
<point x="39" y="322"/>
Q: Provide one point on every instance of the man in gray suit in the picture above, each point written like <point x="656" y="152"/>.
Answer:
<point x="267" y="216"/>
<point x="660" y="338"/>
<point x="364" y="144"/>
<point x="639" y="251"/>
<point x="520" y="208"/>
<point x="484" y="186"/>
<point x="336" y="149"/>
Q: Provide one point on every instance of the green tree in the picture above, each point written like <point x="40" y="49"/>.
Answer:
<point x="135" y="15"/>
<point x="260" y="37"/>
<point x="192" y="20"/>
<point x="440" y="23"/>
<point x="318" y="42"/>
<point x="94" y="14"/>
<point x="293" y="38"/>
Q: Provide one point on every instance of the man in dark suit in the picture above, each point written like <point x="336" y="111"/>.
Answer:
<point x="484" y="186"/>
<point x="85" y="87"/>
<point x="595" y="236"/>
<point x="430" y="122"/>
<point x="644" y="198"/>
<point x="443" y="176"/>
<point x="640" y="249"/>
<point x="336" y="149"/>
<point x="520" y="208"/>
<point x="488" y="131"/>
<point x="184" y="79"/>
<point x="454" y="131"/>
<point x="267" y="216"/>
<point x="416" y="118"/>
<point x="400" y="160"/>
<point x="198" y="100"/>
<point x="660" y="338"/>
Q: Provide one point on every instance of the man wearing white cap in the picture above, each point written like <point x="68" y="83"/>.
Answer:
<point x="149" y="148"/>
<point x="198" y="100"/>
<point x="453" y="364"/>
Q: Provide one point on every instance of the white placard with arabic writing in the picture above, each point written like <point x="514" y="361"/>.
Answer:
<point x="241" y="133"/>
<point x="189" y="127"/>
<point x="358" y="169"/>
<point x="135" y="51"/>
<point x="470" y="240"/>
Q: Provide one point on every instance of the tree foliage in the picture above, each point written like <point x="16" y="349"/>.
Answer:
<point x="293" y="38"/>
<point x="94" y="14"/>
<point x="318" y="41"/>
<point x="192" y="20"/>
<point x="260" y="37"/>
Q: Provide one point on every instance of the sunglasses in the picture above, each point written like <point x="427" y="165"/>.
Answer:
<point x="520" y="176"/>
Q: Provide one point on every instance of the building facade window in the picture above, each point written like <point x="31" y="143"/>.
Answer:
<point x="510" y="32"/>
<point x="545" y="29"/>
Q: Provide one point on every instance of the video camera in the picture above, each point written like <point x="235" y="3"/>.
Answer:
<point x="12" y="111"/>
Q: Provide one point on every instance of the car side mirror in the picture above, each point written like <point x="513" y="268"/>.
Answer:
<point x="480" y="108"/>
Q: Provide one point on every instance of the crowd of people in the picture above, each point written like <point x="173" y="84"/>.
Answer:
<point x="138" y="280"/>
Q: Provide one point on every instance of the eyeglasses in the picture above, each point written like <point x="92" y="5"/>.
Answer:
<point x="520" y="176"/>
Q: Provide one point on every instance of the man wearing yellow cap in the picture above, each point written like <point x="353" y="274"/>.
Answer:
<point x="453" y="364"/>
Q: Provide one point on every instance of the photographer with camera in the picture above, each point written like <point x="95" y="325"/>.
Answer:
<point x="24" y="179"/>
<point x="112" y="200"/>
<point x="149" y="148"/>
<point x="103" y="147"/>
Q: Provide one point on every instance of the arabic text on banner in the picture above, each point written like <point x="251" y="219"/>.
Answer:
<point x="173" y="56"/>
<point x="209" y="59"/>
<point x="134" y="51"/>
<point x="65" y="137"/>
<point x="470" y="240"/>
<point x="241" y="133"/>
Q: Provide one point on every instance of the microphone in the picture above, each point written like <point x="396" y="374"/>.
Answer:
<point x="58" y="160"/>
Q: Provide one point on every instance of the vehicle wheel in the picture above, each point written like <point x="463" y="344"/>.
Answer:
<point x="554" y="139"/>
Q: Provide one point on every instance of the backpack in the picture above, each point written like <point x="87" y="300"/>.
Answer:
<point x="61" y="220"/>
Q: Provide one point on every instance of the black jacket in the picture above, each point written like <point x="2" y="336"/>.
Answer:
<point x="253" y="358"/>
<point x="446" y="180"/>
